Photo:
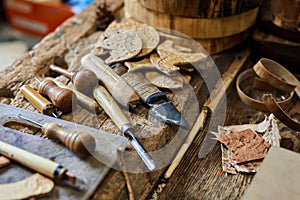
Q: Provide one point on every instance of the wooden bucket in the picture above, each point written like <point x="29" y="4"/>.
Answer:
<point x="214" y="34"/>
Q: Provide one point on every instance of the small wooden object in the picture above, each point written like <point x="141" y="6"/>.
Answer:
<point x="38" y="101"/>
<point x="61" y="98"/>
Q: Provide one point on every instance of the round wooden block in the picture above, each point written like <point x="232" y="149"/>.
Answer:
<point x="192" y="27"/>
<point x="201" y="9"/>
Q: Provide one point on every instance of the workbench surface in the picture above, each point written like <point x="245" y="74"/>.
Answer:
<point x="194" y="178"/>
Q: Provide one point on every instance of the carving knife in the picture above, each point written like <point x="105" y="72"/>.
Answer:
<point x="160" y="107"/>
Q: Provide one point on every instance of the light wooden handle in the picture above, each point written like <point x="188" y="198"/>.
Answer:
<point x="85" y="101"/>
<point x="109" y="105"/>
<point x="117" y="87"/>
<point x="42" y="165"/>
<point x="78" y="142"/>
<point x="38" y="101"/>
<point x="147" y="91"/>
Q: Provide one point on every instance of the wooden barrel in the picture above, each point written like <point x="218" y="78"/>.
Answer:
<point x="201" y="8"/>
<point x="214" y="34"/>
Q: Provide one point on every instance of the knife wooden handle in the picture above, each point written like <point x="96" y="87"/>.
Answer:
<point x="110" y="106"/>
<point x="148" y="92"/>
<point x="117" y="87"/>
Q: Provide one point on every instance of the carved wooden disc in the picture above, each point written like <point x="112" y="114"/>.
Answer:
<point x="149" y="35"/>
<point x="150" y="39"/>
<point x="122" y="44"/>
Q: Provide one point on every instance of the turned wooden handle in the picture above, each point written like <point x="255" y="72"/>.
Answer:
<point x="61" y="98"/>
<point x="38" y="101"/>
<point x="110" y="107"/>
<point x="85" y="101"/>
<point x="78" y="142"/>
<point x="148" y="92"/>
<point x="117" y="87"/>
<point x="84" y="81"/>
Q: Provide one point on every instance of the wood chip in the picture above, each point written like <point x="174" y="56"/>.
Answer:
<point x="122" y="44"/>
<point x="4" y="161"/>
<point x="245" y="145"/>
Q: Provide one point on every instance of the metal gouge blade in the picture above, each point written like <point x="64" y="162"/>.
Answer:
<point x="166" y="112"/>
<point x="128" y="132"/>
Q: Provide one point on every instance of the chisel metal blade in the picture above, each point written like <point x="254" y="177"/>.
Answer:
<point x="166" y="112"/>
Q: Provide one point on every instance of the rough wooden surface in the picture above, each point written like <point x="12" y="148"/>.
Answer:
<point x="194" y="178"/>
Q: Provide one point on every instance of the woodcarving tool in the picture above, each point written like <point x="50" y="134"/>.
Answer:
<point x="38" y="101"/>
<point x="113" y="110"/>
<point x="85" y="101"/>
<point x="116" y="86"/>
<point x="76" y="141"/>
<point x="61" y="98"/>
<point x="160" y="107"/>
<point x="42" y="165"/>
<point x="83" y="80"/>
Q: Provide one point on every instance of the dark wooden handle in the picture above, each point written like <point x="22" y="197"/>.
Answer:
<point x="61" y="98"/>
<point x="78" y="142"/>
<point x="146" y="90"/>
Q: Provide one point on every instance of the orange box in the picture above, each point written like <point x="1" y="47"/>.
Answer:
<point x="35" y="17"/>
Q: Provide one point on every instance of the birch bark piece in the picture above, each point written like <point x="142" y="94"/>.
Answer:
<point x="29" y="187"/>
<point x="245" y="145"/>
<point x="149" y="36"/>
<point x="164" y="81"/>
<point x="270" y="133"/>
<point x="140" y="65"/>
<point x="165" y="64"/>
<point x="122" y="44"/>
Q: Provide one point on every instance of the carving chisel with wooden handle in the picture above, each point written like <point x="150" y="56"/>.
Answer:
<point x="161" y="108"/>
<point x="116" y="86"/>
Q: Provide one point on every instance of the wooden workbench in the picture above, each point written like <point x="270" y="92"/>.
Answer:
<point x="194" y="178"/>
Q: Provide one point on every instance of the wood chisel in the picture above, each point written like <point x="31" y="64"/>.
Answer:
<point x="117" y="87"/>
<point x="74" y="140"/>
<point x="113" y="110"/>
<point x="38" y="101"/>
<point x="42" y="165"/>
